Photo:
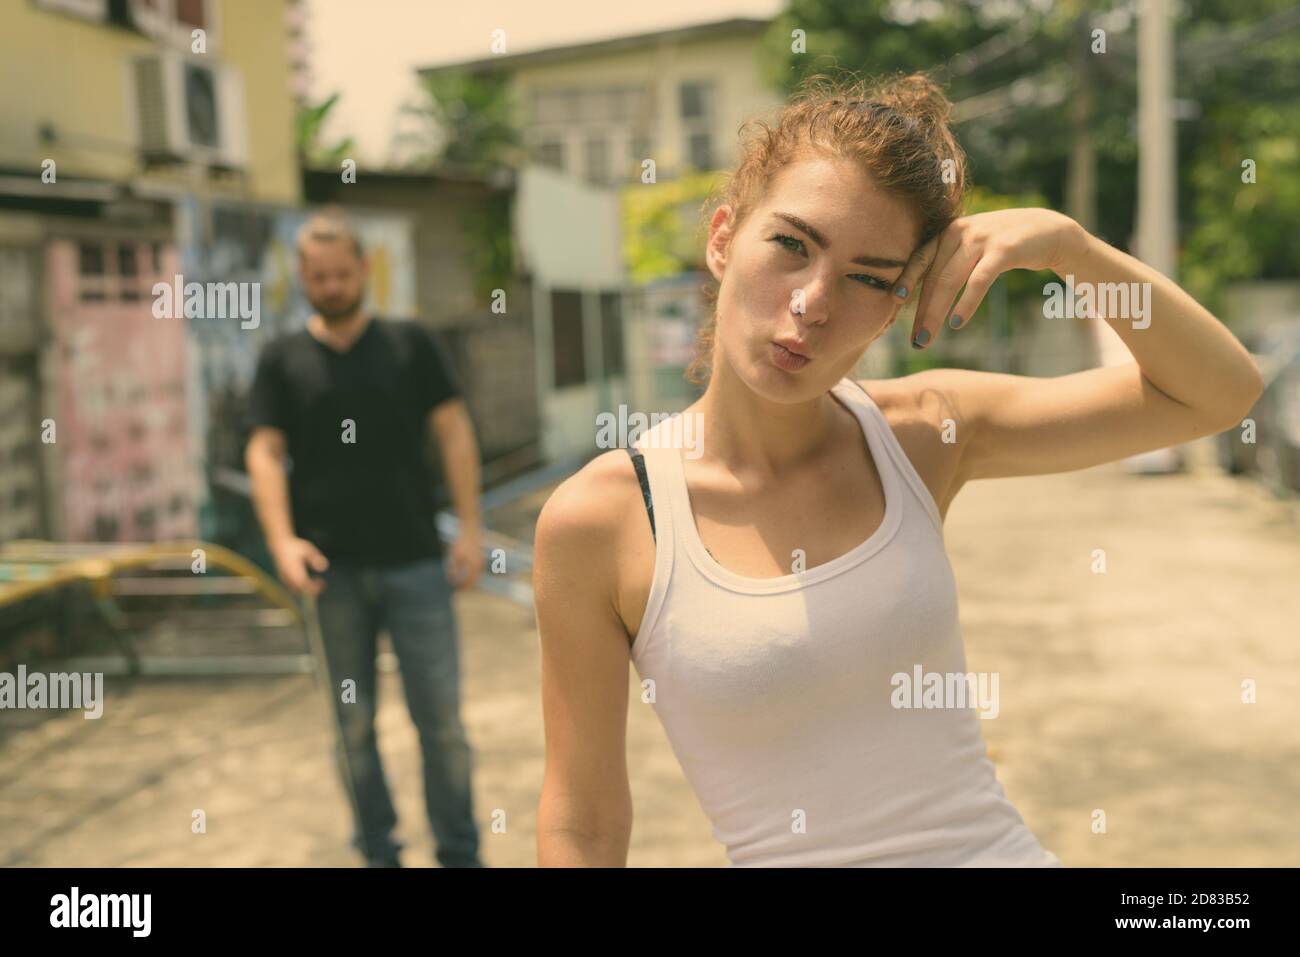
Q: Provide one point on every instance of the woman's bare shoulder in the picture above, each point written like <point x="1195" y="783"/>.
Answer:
<point x="931" y="395"/>
<point x="587" y="512"/>
<point x="924" y="413"/>
<point x="593" y="555"/>
<point x="927" y="403"/>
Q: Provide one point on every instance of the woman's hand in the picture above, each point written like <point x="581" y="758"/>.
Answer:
<point x="973" y="251"/>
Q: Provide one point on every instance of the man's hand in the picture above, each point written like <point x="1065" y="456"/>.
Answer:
<point x="465" y="558"/>
<point x="293" y="557"/>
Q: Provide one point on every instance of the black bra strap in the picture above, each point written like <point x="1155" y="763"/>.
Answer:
<point x="638" y="462"/>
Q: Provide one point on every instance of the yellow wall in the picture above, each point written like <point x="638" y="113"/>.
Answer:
<point x="76" y="75"/>
<point x="257" y="44"/>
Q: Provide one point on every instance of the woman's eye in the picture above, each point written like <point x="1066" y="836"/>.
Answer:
<point x="874" y="281"/>
<point x="785" y="241"/>
<point x="796" y="245"/>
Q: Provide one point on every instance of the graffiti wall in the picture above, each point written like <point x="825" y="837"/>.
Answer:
<point x="122" y="425"/>
<point x="151" y="386"/>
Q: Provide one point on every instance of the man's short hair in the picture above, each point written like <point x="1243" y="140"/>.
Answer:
<point x="330" y="224"/>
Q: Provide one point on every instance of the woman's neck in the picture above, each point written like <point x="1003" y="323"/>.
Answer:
<point x="747" y="432"/>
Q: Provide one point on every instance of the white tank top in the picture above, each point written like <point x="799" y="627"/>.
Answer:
<point x="775" y="693"/>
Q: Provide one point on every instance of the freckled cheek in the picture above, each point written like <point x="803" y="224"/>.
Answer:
<point x="757" y="300"/>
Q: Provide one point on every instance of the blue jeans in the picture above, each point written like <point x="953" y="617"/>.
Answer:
<point x="413" y="602"/>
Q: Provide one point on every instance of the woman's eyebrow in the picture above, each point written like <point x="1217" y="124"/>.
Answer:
<point x="880" y="262"/>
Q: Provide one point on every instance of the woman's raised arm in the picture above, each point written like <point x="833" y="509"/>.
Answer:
<point x="1190" y="376"/>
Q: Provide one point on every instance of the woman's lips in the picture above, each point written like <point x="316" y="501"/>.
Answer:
<point x="783" y="358"/>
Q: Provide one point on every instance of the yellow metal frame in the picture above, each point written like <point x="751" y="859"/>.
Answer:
<point x="56" y="564"/>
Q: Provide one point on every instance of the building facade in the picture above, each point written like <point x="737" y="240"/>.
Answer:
<point x="615" y="132"/>
<point x="120" y="121"/>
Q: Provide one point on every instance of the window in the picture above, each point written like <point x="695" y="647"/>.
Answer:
<point x="16" y="287"/>
<point x="201" y="105"/>
<point x="617" y="104"/>
<point x="90" y="257"/>
<point x="697" y="101"/>
<point x="546" y="107"/>
<point x="109" y="271"/>
<point x="105" y="528"/>
<point x="620" y="104"/>
<point x="587" y="130"/>
<point x="145" y="521"/>
<point x="611" y="332"/>
<point x="570" y="105"/>
<point x="640" y="149"/>
<point x="91" y="272"/>
<point x="549" y="152"/>
<point x="630" y="105"/>
<point x="597" y="106"/>
<point x="699" y="150"/>
<point x="128" y="269"/>
<point x="597" y="158"/>
<point x="568" y="341"/>
<point x="694" y="101"/>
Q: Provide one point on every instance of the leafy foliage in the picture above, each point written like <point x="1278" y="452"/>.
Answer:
<point x="466" y="120"/>
<point x="310" y="124"/>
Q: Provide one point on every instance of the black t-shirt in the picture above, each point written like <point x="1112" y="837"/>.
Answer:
<point x="357" y="425"/>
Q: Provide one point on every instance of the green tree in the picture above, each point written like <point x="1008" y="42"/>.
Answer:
<point x="311" y="121"/>
<point x="1014" y="68"/>
<point x="1246" y="80"/>
<point x="465" y="120"/>
<point x="1008" y="66"/>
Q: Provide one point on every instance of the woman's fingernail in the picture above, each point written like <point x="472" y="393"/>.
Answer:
<point x="901" y="292"/>
<point x="921" y="339"/>
<point x="955" y="320"/>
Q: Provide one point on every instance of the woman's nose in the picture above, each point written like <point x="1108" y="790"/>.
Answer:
<point x="811" y="300"/>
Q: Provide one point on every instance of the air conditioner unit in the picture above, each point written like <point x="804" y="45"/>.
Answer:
<point x="190" y="109"/>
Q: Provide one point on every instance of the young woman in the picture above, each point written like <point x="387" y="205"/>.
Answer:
<point x="772" y="583"/>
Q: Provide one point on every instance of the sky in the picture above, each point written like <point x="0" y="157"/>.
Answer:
<point x="367" y="50"/>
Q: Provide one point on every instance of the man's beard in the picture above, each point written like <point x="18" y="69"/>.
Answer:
<point x="331" y="312"/>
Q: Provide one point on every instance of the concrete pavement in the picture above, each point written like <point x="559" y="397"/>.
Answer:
<point x="1120" y="692"/>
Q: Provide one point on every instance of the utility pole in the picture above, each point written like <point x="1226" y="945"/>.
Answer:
<point x="1157" y="215"/>
<point x="1157" y="162"/>
<point x="1081" y="171"/>
<point x="1156" y="227"/>
<point x="1081" y="174"/>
